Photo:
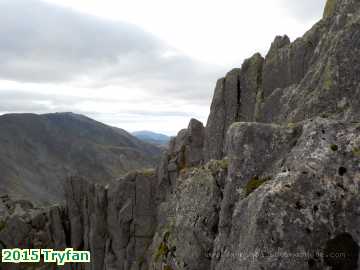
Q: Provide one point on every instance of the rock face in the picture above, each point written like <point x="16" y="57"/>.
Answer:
<point x="315" y="75"/>
<point x="310" y="196"/>
<point x="24" y="226"/>
<point x="271" y="182"/>
<point x="185" y="150"/>
<point x="188" y="219"/>
<point x="290" y="198"/>
<point x="115" y="223"/>
<point x="237" y="98"/>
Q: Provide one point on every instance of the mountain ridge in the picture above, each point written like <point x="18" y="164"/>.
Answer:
<point x="152" y="137"/>
<point x="37" y="150"/>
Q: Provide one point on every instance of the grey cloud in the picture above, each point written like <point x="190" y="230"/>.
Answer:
<point x="24" y="101"/>
<point x="304" y="10"/>
<point x="13" y="101"/>
<point x="42" y="42"/>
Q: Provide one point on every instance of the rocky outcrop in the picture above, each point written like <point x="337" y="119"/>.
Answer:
<point x="185" y="150"/>
<point x="271" y="182"/>
<point x="286" y="198"/>
<point x="188" y="219"/>
<point x="306" y="181"/>
<point x="288" y="125"/>
<point x="24" y="226"/>
<point x="236" y="98"/>
<point x="314" y="75"/>
<point x="115" y="223"/>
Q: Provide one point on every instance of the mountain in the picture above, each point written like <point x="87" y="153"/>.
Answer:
<point x="152" y="137"/>
<point x="37" y="153"/>
<point x="272" y="181"/>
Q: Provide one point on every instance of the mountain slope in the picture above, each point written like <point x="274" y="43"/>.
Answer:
<point x="152" y="137"/>
<point x="37" y="152"/>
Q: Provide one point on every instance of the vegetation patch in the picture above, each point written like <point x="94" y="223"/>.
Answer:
<point x="328" y="78"/>
<point x="325" y="115"/>
<point x="182" y="158"/>
<point x="147" y="172"/>
<point x="141" y="261"/>
<point x="163" y="249"/>
<point x="2" y="225"/>
<point x="334" y="147"/>
<point x="356" y="151"/>
<point x="254" y="183"/>
<point x="217" y="165"/>
<point x="329" y="8"/>
<point x="291" y="125"/>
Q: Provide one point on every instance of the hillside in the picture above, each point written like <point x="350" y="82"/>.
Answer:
<point x="37" y="153"/>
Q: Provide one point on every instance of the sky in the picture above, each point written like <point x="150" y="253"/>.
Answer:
<point x="134" y="64"/>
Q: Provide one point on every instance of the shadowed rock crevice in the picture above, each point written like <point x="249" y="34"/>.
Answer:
<point x="342" y="253"/>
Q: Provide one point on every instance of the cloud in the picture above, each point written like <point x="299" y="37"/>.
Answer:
<point x="45" y="43"/>
<point x="303" y="10"/>
<point x="54" y="58"/>
<point x="159" y="115"/>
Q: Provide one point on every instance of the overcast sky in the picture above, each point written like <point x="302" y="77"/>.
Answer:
<point x="135" y="64"/>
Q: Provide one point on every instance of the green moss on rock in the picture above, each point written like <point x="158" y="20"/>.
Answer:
<point x="161" y="251"/>
<point x="356" y="151"/>
<point x="217" y="165"/>
<point x="141" y="260"/>
<point x="328" y="78"/>
<point x="182" y="158"/>
<point x="2" y="225"/>
<point x="254" y="183"/>
<point x="334" y="147"/>
<point x="291" y="125"/>
<point x="329" y="8"/>
<point x="147" y="172"/>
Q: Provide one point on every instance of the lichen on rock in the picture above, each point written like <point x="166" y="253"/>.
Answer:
<point x="329" y="8"/>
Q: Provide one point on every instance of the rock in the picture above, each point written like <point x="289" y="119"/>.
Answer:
<point x="223" y="112"/>
<point x="185" y="150"/>
<point x="188" y="220"/>
<point x="194" y="143"/>
<point x="237" y="97"/>
<point x="114" y="221"/>
<point x="25" y="226"/>
<point x="251" y="92"/>
<point x="319" y="70"/>
<point x="310" y="197"/>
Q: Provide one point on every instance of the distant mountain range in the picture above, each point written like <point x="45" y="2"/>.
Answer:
<point x="152" y="137"/>
<point x="37" y="152"/>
